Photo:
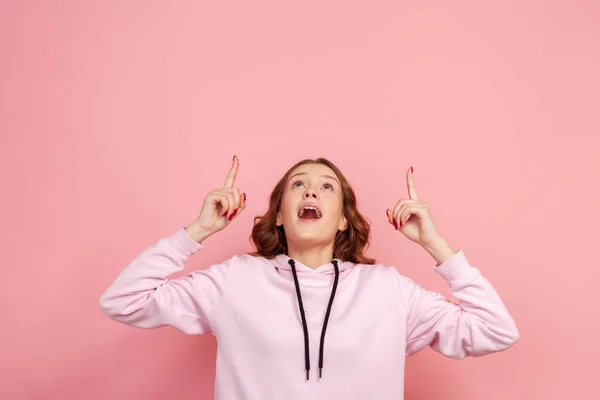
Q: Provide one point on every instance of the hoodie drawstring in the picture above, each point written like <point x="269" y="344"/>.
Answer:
<point x="303" y="316"/>
<point x="335" y="283"/>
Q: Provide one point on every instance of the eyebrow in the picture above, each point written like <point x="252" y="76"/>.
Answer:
<point x="325" y="176"/>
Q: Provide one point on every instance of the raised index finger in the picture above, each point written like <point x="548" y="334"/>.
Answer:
<point x="232" y="174"/>
<point x="412" y="191"/>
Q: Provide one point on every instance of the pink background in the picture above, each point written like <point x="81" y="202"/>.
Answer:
<point x="118" y="117"/>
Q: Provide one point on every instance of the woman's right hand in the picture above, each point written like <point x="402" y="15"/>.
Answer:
<point x="220" y="207"/>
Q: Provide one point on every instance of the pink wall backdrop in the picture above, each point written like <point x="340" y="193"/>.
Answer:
<point x="117" y="117"/>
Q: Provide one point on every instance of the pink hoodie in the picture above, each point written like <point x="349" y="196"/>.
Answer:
<point x="251" y="305"/>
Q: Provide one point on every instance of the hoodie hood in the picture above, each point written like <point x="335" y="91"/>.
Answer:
<point x="282" y="262"/>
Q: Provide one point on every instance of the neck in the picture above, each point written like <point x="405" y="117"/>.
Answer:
<point x="313" y="256"/>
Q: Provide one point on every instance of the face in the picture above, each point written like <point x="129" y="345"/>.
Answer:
<point x="311" y="210"/>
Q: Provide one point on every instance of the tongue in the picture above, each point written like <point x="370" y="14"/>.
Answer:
<point x="309" y="214"/>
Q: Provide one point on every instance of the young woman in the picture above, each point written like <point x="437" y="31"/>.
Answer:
<point x="310" y="294"/>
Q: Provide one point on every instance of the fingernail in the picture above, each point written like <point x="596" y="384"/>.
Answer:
<point x="400" y="223"/>
<point x="386" y="212"/>
<point x="233" y="158"/>
<point x="412" y="170"/>
<point x="395" y="224"/>
<point x="225" y="213"/>
<point x="244" y="196"/>
<point x="233" y="214"/>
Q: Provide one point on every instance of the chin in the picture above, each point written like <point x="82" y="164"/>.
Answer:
<point x="312" y="232"/>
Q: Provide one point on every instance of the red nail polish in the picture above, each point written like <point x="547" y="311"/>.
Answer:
<point x="244" y="196"/>
<point x="400" y="223"/>
<point x="233" y="158"/>
<point x="395" y="225"/>
<point x="233" y="215"/>
<point x="225" y="213"/>
<point x="412" y="170"/>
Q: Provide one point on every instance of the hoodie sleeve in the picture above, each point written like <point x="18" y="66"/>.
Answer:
<point x="479" y="324"/>
<point x="143" y="296"/>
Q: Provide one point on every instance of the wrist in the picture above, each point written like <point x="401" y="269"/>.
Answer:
<point x="196" y="233"/>
<point x="440" y="250"/>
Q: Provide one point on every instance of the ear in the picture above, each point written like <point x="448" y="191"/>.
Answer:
<point x="278" y="221"/>
<point x="343" y="224"/>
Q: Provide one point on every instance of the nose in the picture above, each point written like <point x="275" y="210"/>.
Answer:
<point x="310" y="194"/>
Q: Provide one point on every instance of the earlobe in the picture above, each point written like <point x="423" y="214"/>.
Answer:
<point x="343" y="224"/>
<point x="278" y="219"/>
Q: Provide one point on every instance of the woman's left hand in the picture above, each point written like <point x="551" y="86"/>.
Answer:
<point x="412" y="217"/>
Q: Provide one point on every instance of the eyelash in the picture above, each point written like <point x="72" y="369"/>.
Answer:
<point x="328" y="184"/>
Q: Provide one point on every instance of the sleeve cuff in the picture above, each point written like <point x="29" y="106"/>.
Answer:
<point x="455" y="268"/>
<point x="183" y="243"/>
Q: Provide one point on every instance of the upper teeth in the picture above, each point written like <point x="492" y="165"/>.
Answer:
<point x="310" y="208"/>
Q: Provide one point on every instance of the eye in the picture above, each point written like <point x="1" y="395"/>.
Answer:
<point x="296" y="183"/>
<point x="328" y="185"/>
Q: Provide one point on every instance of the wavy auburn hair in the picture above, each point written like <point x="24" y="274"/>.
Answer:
<point x="350" y="243"/>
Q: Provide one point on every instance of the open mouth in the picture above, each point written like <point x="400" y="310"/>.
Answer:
<point x="309" y="212"/>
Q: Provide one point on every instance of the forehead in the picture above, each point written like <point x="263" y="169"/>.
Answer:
<point x="314" y="170"/>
